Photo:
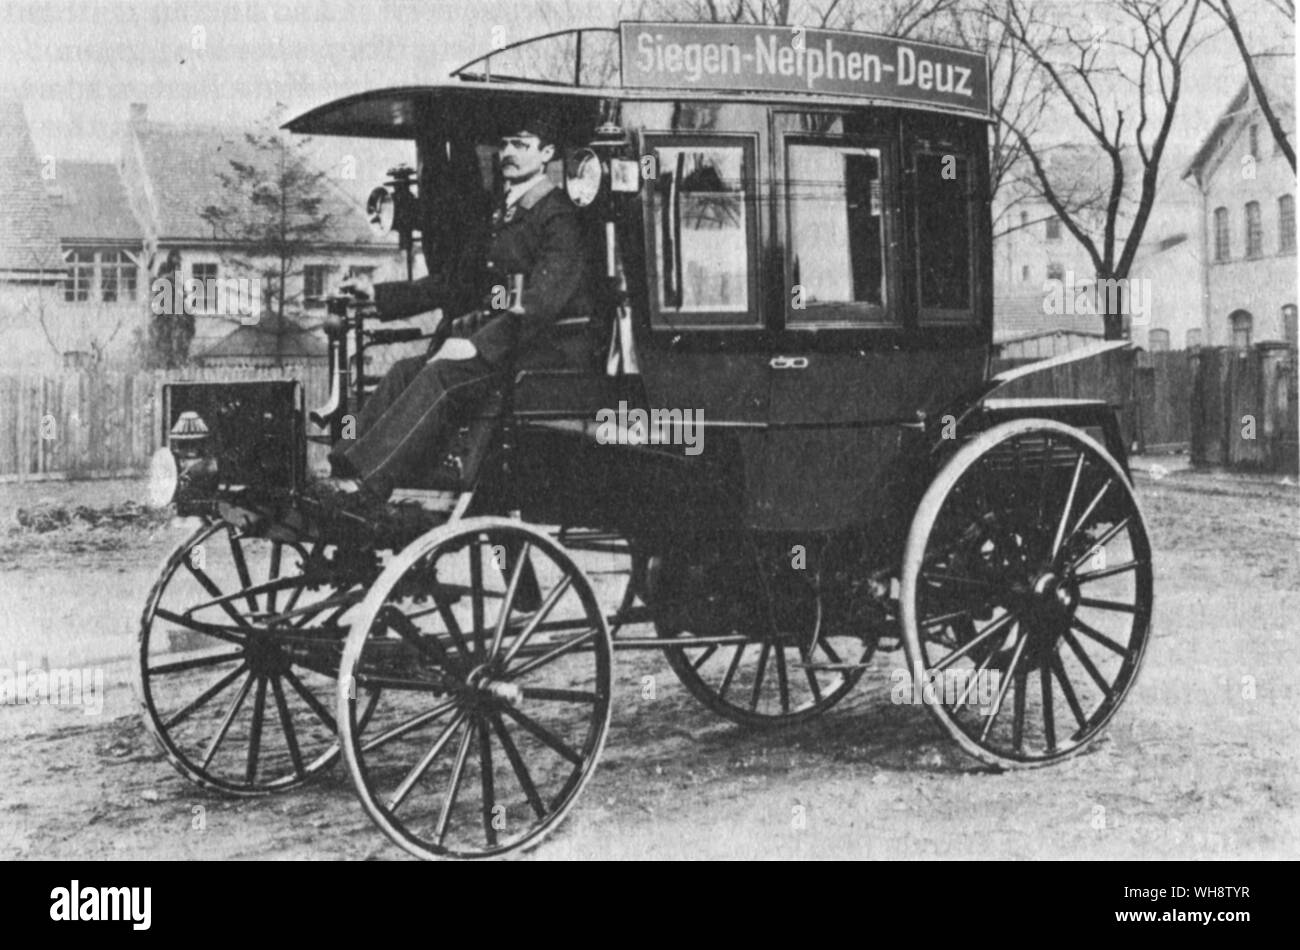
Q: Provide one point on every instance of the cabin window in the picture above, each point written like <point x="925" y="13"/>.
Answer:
<point x="943" y="233"/>
<point x="702" y="218"/>
<point x="837" y="234"/>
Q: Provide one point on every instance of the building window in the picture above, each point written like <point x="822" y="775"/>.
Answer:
<point x="1241" y="325"/>
<point x="315" y="284"/>
<point x="203" y="298"/>
<point x="81" y="274"/>
<point x="1254" y="230"/>
<point x="1254" y="141"/>
<point x="1158" y="341"/>
<point x="1024" y="272"/>
<point x="1220" y="234"/>
<point x="1055" y="271"/>
<point x="1286" y="223"/>
<point x="1053" y="228"/>
<point x="1194" y="339"/>
<point x="1024" y="219"/>
<point x="361" y="272"/>
<point x="1288" y="324"/>
<point x="117" y="277"/>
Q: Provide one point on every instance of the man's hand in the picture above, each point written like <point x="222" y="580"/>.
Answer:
<point x="456" y="348"/>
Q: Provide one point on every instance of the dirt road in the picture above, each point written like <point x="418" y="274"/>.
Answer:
<point x="1202" y="761"/>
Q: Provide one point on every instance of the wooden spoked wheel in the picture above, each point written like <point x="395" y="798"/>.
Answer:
<point x="494" y="703"/>
<point x="238" y="649"/>
<point x="788" y="670"/>
<point x="1026" y="593"/>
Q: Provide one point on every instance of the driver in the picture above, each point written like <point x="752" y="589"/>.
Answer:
<point x="534" y="232"/>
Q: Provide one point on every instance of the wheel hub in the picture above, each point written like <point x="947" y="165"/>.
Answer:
<point x="482" y="689"/>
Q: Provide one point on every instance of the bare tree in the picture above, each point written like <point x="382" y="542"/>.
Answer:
<point x="1117" y="69"/>
<point x="901" y="18"/>
<point x="1287" y="9"/>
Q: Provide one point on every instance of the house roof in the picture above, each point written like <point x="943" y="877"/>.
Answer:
<point x="272" y="337"/>
<point x="89" y="204"/>
<point x="184" y="164"/>
<point x="1277" y="75"/>
<point x="28" y="241"/>
<point x="1018" y="316"/>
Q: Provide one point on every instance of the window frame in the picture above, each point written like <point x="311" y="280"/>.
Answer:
<point x="316" y="301"/>
<point x="79" y="281"/>
<point x="945" y="316"/>
<point x="1286" y="234"/>
<point x="1254" y="230"/>
<point x="888" y="315"/>
<point x="1052" y="228"/>
<point x="1222" y="234"/>
<point x="665" y="319"/>
<point x="1237" y="321"/>
<point x="203" y="306"/>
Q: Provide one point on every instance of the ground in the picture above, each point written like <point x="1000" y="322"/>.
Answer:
<point x="1200" y="762"/>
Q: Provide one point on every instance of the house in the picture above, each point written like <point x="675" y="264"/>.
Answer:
<point x="31" y="260"/>
<point x="1247" y="227"/>
<point x="172" y="173"/>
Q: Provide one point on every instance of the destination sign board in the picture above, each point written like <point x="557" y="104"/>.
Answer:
<point x="732" y="57"/>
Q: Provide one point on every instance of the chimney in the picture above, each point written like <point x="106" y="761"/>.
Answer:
<point x="139" y="111"/>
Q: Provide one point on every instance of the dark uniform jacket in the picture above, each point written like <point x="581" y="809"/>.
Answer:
<point x="541" y="237"/>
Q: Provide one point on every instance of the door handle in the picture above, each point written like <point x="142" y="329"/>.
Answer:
<point x="789" y="362"/>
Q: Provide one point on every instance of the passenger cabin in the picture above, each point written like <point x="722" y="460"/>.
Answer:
<point x="799" y="220"/>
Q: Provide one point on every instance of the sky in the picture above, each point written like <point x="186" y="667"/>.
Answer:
<point x="78" y="65"/>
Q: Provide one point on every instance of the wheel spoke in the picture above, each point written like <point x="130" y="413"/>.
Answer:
<point x="404" y="789"/>
<point x="1018" y="717"/>
<point x="1087" y="512"/>
<point x="255" y="732"/>
<point x="286" y="724"/>
<point x="208" y="694"/>
<point x="507" y="603"/>
<point x="1101" y="542"/>
<point x="273" y="573"/>
<point x="731" y="670"/>
<point x="453" y="787"/>
<point x="226" y="721"/>
<point x="1100" y="637"/>
<point x="199" y="626"/>
<point x="1058" y="668"/>
<point x="1049" y="720"/>
<point x="961" y="651"/>
<point x="543" y="734"/>
<point x="946" y="578"/>
<point x="811" y="677"/>
<point x="829" y="651"/>
<point x="704" y="657"/>
<point x="560" y="695"/>
<point x="758" y="675"/>
<point x="488" y="781"/>
<point x="1069" y="505"/>
<point x="197" y="663"/>
<point x="321" y="712"/>
<point x="214" y="591"/>
<point x="415" y="722"/>
<point x="1088" y="664"/>
<point x="550" y="656"/>
<point x="1107" y="605"/>
<point x="241" y="568"/>
<point x="520" y="769"/>
<point x="1006" y="684"/>
<point x="1111" y="571"/>
<point x="476" y="598"/>
<point x="428" y="647"/>
<point x="781" y="678"/>
<point x="542" y="613"/>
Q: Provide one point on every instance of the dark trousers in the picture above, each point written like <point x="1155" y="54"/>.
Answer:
<point x="404" y="417"/>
